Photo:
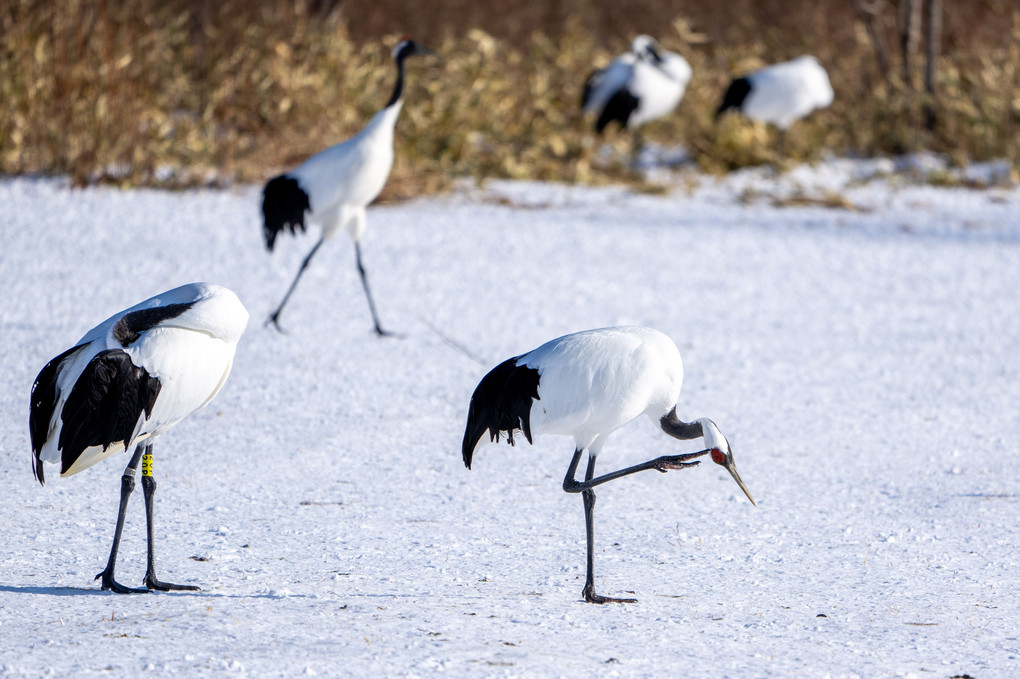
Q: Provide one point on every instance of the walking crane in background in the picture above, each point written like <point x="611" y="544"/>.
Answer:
<point x="333" y="187"/>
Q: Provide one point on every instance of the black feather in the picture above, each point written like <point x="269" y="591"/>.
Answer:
<point x="618" y="109"/>
<point x="131" y="326"/>
<point x="734" y="97"/>
<point x="501" y="403"/>
<point x="43" y="401"/>
<point x="105" y="404"/>
<point x="284" y="204"/>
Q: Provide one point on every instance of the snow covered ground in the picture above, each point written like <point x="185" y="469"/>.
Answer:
<point x="864" y="363"/>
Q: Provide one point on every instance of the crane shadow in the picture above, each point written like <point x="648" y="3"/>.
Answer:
<point x="88" y="591"/>
<point x="52" y="591"/>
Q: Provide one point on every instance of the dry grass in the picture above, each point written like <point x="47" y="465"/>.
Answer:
<point x="178" y="92"/>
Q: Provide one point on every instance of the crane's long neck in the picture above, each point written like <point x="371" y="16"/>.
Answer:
<point x="398" y="87"/>
<point x="678" y="429"/>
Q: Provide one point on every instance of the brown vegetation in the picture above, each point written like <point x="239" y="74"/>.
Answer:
<point x="179" y="92"/>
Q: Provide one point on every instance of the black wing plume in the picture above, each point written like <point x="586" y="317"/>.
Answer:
<point x="43" y="402"/>
<point x="501" y="403"/>
<point x="734" y="97"/>
<point x="104" y="405"/>
<point x="284" y="204"/>
<point x="618" y="109"/>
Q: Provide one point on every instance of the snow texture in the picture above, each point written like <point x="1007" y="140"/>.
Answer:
<point x="863" y="364"/>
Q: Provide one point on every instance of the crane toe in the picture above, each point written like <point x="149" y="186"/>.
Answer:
<point x="667" y="462"/>
<point x="592" y="598"/>
<point x="109" y="583"/>
<point x="153" y="584"/>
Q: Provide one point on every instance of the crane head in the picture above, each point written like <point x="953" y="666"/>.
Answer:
<point x="645" y="46"/>
<point x="409" y="48"/>
<point x="719" y="448"/>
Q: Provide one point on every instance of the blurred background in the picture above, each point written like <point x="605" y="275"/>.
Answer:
<point x="182" y="92"/>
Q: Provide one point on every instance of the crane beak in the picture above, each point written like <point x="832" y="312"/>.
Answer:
<point x="731" y="467"/>
<point x="424" y="51"/>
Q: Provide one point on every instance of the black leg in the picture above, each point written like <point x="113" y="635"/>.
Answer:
<point x="274" y="317"/>
<point x="588" y="497"/>
<point x="127" y="484"/>
<point x="149" y="490"/>
<point x="368" y="293"/>
<point x="637" y="144"/>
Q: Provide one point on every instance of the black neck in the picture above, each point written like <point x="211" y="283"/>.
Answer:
<point x="398" y="87"/>
<point x="685" y="431"/>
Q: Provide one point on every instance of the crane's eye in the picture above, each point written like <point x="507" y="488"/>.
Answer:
<point x="718" y="457"/>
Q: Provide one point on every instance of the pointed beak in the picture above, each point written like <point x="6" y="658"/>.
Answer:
<point x="731" y="467"/>
<point x="425" y="51"/>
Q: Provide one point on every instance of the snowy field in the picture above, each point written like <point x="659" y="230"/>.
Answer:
<point x="864" y="363"/>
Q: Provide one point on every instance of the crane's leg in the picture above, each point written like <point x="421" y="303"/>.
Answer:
<point x="127" y="484"/>
<point x="368" y="293"/>
<point x="274" y="317"/>
<point x="572" y="485"/>
<point x="781" y="143"/>
<point x="637" y="143"/>
<point x="662" y="464"/>
<point x="149" y="490"/>
<point x="588" y="496"/>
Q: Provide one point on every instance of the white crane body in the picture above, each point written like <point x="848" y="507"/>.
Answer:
<point x="780" y="94"/>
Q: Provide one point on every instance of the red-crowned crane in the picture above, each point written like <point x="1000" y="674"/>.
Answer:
<point x="637" y="87"/>
<point x="779" y="94"/>
<point x="333" y="187"/>
<point x="587" y="385"/>
<point x="129" y="380"/>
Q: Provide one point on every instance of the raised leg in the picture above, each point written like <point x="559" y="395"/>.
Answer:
<point x="368" y="293"/>
<point x="127" y="484"/>
<point x="149" y="490"/>
<point x="274" y="317"/>
<point x="662" y="464"/>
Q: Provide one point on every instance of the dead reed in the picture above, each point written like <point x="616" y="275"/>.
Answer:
<point x="178" y="92"/>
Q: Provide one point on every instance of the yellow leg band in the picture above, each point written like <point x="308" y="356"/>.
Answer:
<point x="147" y="465"/>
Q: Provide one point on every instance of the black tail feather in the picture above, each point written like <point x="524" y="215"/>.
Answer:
<point x="105" y="404"/>
<point x="284" y="204"/>
<point x="501" y="403"/>
<point x="43" y="403"/>
<point x="619" y="109"/>
<point x="734" y="97"/>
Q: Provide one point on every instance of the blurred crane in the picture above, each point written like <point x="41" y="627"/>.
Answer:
<point x="779" y="94"/>
<point x="637" y="87"/>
